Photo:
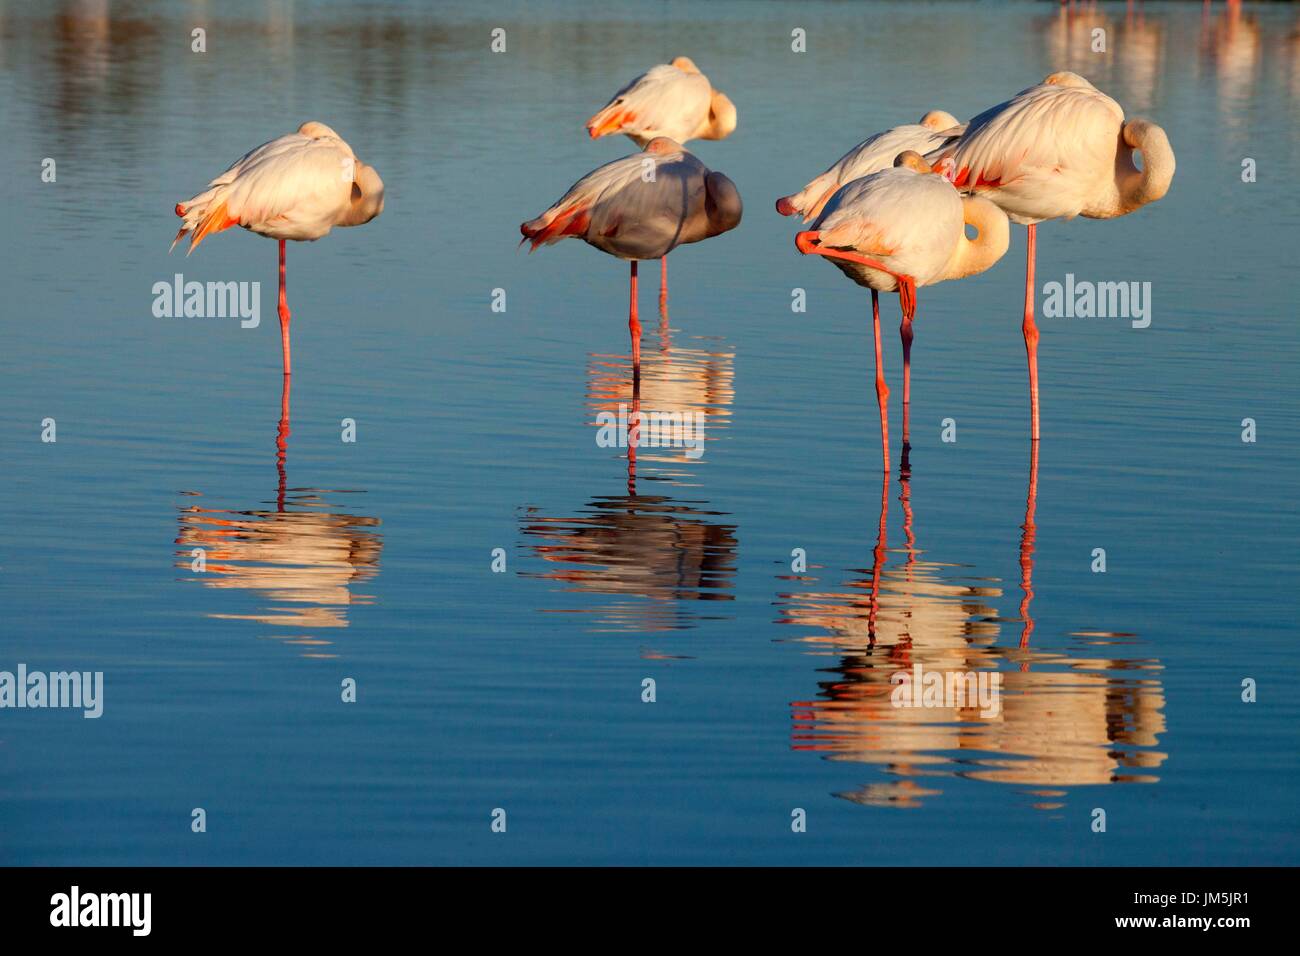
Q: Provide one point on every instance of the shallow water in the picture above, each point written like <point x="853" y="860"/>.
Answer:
<point x="477" y="430"/>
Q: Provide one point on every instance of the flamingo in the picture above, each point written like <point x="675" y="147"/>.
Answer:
<point x="674" y="100"/>
<point x="296" y="187"/>
<point x="641" y="207"/>
<point x="934" y="130"/>
<point x="1055" y="151"/>
<point x="899" y="229"/>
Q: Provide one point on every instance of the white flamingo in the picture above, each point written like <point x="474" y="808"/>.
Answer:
<point x="898" y="229"/>
<point x="641" y="207"/>
<point x="296" y="187"/>
<point x="1055" y="151"/>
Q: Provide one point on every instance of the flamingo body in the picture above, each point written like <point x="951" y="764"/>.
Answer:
<point x="934" y="130"/>
<point x="674" y="100"/>
<point x="1057" y="150"/>
<point x="907" y="221"/>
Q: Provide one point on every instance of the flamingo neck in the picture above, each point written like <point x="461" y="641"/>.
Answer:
<point x="993" y="236"/>
<point x="1137" y="187"/>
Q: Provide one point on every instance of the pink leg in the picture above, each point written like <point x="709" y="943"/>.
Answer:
<point x="907" y="299"/>
<point x="882" y="390"/>
<point x="284" y="317"/>
<point x="663" y="284"/>
<point x="1031" y="330"/>
<point x="634" y="326"/>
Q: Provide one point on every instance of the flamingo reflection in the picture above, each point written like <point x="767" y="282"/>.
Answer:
<point x="1232" y="44"/>
<point x="302" y="560"/>
<point x="1065" y="719"/>
<point x="654" y="554"/>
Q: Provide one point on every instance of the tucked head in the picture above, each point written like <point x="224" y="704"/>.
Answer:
<point x="722" y="204"/>
<point x="939" y="121"/>
<point x="685" y="63"/>
<point x="912" y="160"/>
<point x="316" y="130"/>
<point x="367" y="196"/>
<point x="663" y="144"/>
<point x="722" y="117"/>
<point x="1066" y="78"/>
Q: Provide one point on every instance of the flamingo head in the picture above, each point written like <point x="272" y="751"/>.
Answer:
<point x="722" y="117"/>
<point x="722" y="204"/>
<point x="912" y="160"/>
<point x="939" y="121"/>
<point x="367" y="196"/>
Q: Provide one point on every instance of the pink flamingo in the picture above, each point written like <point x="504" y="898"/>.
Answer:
<point x="899" y="229"/>
<point x="674" y="100"/>
<point x="296" y="187"/>
<point x="641" y="207"/>
<point x="1055" y="151"/>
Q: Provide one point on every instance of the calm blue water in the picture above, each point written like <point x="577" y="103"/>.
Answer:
<point x="476" y="430"/>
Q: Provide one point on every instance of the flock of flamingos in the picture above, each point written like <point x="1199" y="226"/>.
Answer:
<point x="891" y="213"/>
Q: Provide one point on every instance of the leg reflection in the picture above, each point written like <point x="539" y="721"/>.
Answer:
<point x="633" y="430"/>
<point x="1027" y="536"/>
<point x="282" y="441"/>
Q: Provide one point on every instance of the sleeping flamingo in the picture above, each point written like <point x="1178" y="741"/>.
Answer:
<point x="674" y="100"/>
<point x="1055" y="151"/>
<point x="641" y="207"/>
<point x="898" y="229"/>
<point x="934" y="130"/>
<point x="296" y="187"/>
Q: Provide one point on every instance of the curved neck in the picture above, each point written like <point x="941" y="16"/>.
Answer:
<point x="721" y="121"/>
<point x="1137" y="187"/>
<point x="993" y="236"/>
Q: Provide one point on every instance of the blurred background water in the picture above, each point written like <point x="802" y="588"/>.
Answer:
<point x="476" y="430"/>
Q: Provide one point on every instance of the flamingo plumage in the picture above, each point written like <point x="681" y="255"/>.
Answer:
<point x="296" y="187"/>
<point x="1055" y="151"/>
<point x="641" y="207"/>
<point x="934" y="130"/>
<point x="674" y="100"/>
<point x="896" y="230"/>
